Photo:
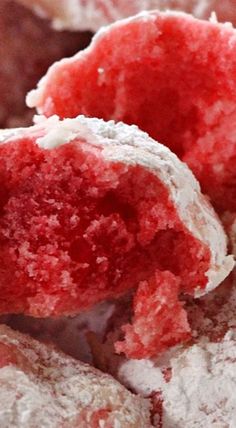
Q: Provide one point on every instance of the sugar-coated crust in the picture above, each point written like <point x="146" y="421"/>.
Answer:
<point x="129" y="145"/>
<point x="203" y="379"/>
<point x="92" y="15"/>
<point x="41" y="387"/>
<point x="68" y="14"/>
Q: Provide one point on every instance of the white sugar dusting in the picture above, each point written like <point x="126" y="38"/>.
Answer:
<point x="204" y="380"/>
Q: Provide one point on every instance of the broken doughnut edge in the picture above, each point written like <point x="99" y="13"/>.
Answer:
<point x="128" y="145"/>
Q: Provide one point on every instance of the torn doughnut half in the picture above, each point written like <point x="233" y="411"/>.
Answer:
<point x="168" y="73"/>
<point x="42" y="387"/>
<point x="92" y="209"/>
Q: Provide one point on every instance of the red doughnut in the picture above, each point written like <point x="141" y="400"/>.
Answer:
<point x="91" y="209"/>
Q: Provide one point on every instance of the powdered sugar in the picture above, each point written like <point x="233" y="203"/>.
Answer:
<point x="141" y="376"/>
<point x="204" y="380"/>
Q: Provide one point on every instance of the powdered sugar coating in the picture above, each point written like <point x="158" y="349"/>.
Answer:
<point x="42" y="387"/>
<point x="93" y="14"/>
<point x="127" y="144"/>
<point x="203" y="379"/>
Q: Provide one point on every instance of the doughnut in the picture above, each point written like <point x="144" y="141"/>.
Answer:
<point x="91" y="210"/>
<point x="170" y="74"/>
<point x="40" y="386"/>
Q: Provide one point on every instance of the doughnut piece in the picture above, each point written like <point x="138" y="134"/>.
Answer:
<point x="39" y="386"/>
<point x="155" y="304"/>
<point x="93" y="14"/>
<point x="133" y="71"/>
<point x="89" y="210"/>
<point x="18" y="74"/>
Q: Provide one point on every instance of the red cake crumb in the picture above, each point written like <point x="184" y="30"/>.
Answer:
<point x="28" y="46"/>
<point x="93" y="14"/>
<point x="88" y="210"/>
<point x="133" y="71"/>
<point x="41" y="387"/>
<point x="156" y="304"/>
